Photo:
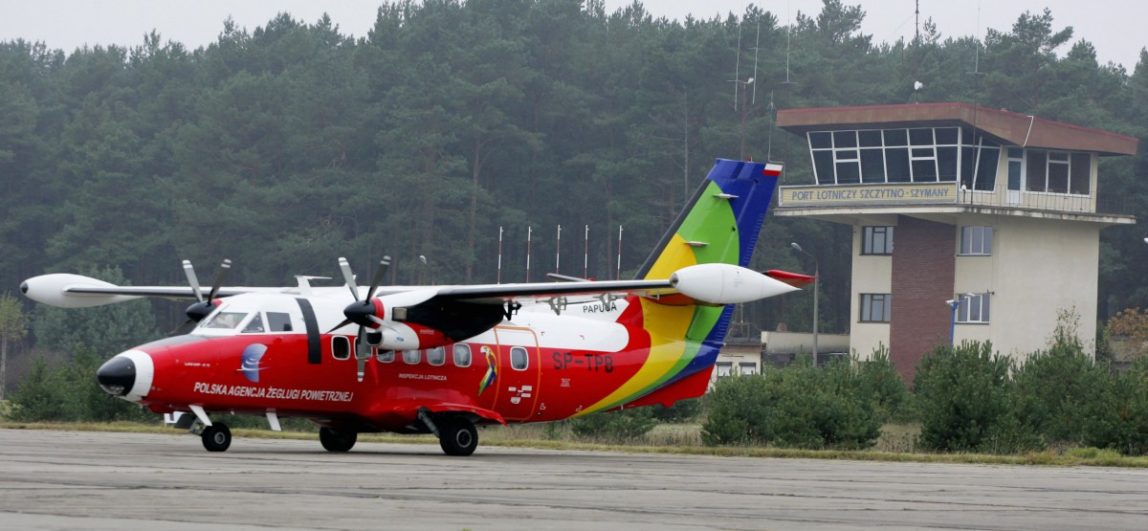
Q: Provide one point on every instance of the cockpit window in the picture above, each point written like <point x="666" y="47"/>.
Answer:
<point x="224" y="320"/>
<point x="255" y="326"/>
<point x="279" y="322"/>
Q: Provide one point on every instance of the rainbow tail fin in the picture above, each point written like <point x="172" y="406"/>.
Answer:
<point x="721" y="222"/>
<point x="719" y="225"/>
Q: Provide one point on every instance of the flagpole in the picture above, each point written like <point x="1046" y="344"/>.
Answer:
<point x="618" y="275"/>
<point x="499" y="274"/>
<point x="586" y="254"/>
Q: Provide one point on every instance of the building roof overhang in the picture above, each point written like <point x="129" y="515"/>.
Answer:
<point x="1013" y="128"/>
<point x="852" y="214"/>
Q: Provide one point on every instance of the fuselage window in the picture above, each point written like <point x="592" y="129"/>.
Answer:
<point x="411" y="357"/>
<point x="385" y="356"/>
<point x="518" y="359"/>
<point x="340" y="347"/>
<point x="436" y="356"/>
<point x="278" y="322"/>
<point x="255" y="326"/>
<point x="225" y="320"/>
<point x="462" y="355"/>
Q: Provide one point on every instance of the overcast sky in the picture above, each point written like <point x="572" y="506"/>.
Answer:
<point x="1115" y="27"/>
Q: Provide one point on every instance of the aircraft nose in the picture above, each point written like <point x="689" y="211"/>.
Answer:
<point x="117" y="376"/>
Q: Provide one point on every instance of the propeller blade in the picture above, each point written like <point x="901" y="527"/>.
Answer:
<point x="192" y="280"/>
<point x="362" y="352"/>
<point x="340" y="325"/>
<point x="349" y="277"/>
<point x="224" y="268"/>
<point x="379" y="274"/>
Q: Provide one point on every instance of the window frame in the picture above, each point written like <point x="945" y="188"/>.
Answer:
<point x="430" y="359"/>
<point x="1060" y="159"/>
<point x="346" y="341"/>
<point x="854" y="152"/>
<point x="385" y="356"/>
<point x="975" y="309"/>
<point x="986" y="240"/>
<point x="412" y="357"/>
<point x="277" y="322"/>
<point x="525" y="358"/>
<point x="455" y="357"/>
<point x="865" y="310"/>
<point x="869" y="238"/>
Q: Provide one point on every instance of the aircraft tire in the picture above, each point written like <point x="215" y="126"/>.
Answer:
<point x="216" y="438"/>
<point x="337" y="441"/>
<point x="457" y="436"/>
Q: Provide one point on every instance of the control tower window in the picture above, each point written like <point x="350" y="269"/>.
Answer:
<point x="876" y="307"/>
<point x="877" y="240"/>
<point x="974" y="309"/>
<point x="1058" y="172"/>
<point x="976" y="241"/>
<point x="920" y="154"/>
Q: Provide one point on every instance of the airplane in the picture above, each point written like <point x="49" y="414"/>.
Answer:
<point x="443" y="359"/>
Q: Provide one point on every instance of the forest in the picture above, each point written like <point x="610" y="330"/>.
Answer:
<point x="452" y="122"/>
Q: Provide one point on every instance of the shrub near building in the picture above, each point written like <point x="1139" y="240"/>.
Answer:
<point x="839" y="406"/>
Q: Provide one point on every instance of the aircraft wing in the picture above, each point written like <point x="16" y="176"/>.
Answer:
<point x="77" y="291"/>
<point x="714" y="283"/>
<point x="499" y="293"/>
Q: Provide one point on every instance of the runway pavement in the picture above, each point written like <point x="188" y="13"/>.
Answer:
<point x="89" y="480"/>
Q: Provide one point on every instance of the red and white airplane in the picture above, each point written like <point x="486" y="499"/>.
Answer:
<point x="442" y="359"/>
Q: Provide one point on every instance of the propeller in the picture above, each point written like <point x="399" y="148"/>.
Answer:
<point x="203" y="307"/>
<point x="361" y="311"/>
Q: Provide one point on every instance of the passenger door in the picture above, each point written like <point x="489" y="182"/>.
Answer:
<point x="519" y="364"/>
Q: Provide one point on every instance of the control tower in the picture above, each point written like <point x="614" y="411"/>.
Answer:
<point x="968" y="223"/>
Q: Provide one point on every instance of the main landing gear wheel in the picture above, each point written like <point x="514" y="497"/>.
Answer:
<point x="457" y="436"/>
<point x="337" y="441"/>
<point x="216" y="438"/>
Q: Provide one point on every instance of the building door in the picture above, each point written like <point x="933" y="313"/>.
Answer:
<point x="1015" y="174"/>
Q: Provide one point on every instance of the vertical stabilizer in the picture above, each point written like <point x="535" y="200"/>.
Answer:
<point x="720" y="224"/>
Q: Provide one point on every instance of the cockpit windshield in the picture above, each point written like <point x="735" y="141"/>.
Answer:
<point x="224" y="320"/>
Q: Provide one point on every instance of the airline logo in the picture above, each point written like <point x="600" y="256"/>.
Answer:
<point x="518" y="393"/>
<point x="250" y="367"/>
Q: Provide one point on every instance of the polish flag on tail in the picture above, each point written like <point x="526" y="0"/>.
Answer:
<point x="772" y="170"/>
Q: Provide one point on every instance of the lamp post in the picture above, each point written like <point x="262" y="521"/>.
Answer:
<point x="816" y="284"/>
<point x="955" y="304"/>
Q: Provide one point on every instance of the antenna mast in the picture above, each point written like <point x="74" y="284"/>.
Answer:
<point x="917" y="22"/>
<point x="737" y="66"/>
<point x="756" y="45"/>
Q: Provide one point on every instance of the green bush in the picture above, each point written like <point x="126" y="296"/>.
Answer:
<point x="1055" y="389"/>
<point x="878" y="381"/>
<point x="682" y="411"/>
<point x="1118" y="417"/>
<point x="800" y="407"/>
<point x="67" y="391"/>
<point x="614" y="426"/>
<point x="963" y="398"/>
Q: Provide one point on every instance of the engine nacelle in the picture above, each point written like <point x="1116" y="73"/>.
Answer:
<point x="53" y="290"/>
<point x="409" y="336"/>
<point x="726" y="284"/>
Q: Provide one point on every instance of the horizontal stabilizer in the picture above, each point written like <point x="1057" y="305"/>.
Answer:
<point x="796" y="280"/>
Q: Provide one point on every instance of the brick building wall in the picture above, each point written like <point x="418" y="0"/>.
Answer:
<point x="924" y="264"/>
